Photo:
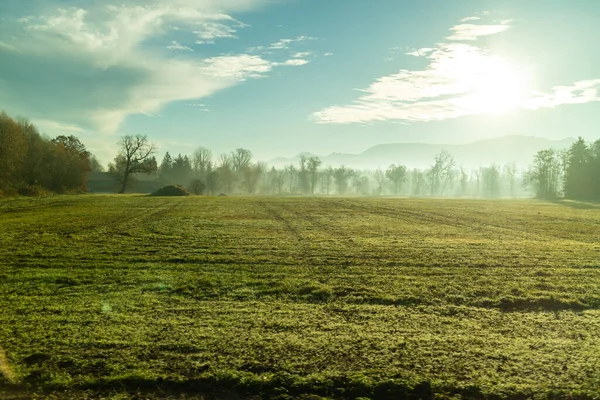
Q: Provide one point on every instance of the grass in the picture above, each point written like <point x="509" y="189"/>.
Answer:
<point x="225" y="297"/>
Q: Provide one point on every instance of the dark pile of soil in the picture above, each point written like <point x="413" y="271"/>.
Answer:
<point x="171" y="190"/>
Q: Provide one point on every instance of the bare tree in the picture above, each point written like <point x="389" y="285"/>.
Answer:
<point x="313" y="165"/>
<point x="464" y="181"/>
<point x="252" y="174"/>
<point x="240" y="159"/>
<point x="226" y="172"/>
<point x="291" y="171"/>
<point x="380" y="178"/>
<point x="441" y="173"/>
<point x="477" y="174"/>
<point x="328" y="174"/>
<point x="511" y="174"/>
<point x="95" y="165"/>
<point x="135" y="156"/>
<point x="201" y="162"/>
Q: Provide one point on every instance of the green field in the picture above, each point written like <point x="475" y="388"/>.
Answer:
<point x="135" y="296"/>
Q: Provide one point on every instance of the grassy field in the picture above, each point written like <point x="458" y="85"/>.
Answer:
<point x="144" y="297"/>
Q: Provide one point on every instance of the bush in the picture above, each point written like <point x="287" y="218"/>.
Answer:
<point x="171" y="190"/>
<point x="33" y="191"/>
<point x="197" y="186"/>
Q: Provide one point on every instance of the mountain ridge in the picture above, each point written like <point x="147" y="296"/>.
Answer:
<point x="519" y="149"/>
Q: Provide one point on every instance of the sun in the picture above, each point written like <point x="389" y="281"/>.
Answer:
<point x="496" y="87"/>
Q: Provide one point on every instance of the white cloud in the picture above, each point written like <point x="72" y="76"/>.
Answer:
<point x="578" y="93"/>
<point x="327" y="54"/>
<point x="469" y="19"/>
<point x="240" y="67"/>
<point x="244" y="66"/>
<point x="460" y="79"/>
<point x="177" y="46"/>
<point x="285" y="43"/>
<point x="211" y="31"/>
<point x="420" y="52"/>
<point x="472" y="32"/>
<point x="302" y="54"/>
<point x="104" y="62"/>
<point x="296" y="62"/>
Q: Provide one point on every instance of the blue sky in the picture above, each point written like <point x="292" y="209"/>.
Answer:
<point x="281" y="77"/>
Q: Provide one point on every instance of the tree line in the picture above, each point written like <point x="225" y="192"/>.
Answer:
<point x="237" y="173"/>
<point x="31" y="163"/>
<point x="573" y="173"/>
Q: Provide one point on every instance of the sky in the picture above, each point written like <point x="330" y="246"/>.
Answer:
<point x="282" y="77"/>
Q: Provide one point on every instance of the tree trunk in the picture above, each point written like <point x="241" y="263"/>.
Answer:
<point x="124" y="184"/>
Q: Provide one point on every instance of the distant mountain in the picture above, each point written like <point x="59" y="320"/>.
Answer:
<point x="502" y="150"/>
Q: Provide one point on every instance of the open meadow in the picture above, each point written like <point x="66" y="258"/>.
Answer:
<point x="265" y="297"/>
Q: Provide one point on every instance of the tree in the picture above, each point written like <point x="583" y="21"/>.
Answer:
<point x="418" y="182"/>
<point x="226" y="172"/>
<point x="197" y="186"/>
<point x="182" y="170"/>
<point x="341" y="175"/>
<point x="252" y="174"/>
<point x="95" y="165"/>
<point x="441" y="173"/>
<point x="477" y="174"/>
<point x="165" y="170"/>
<point x="578" y="182"/>
<point x="213" y="180"/>
<point x="313" y="170"/>
<point x="360" y="182"/>
<point x="594" y="170"/>
<point x="71" y="164"/>
<point x="464" y="181"/>
<point x="510" y="170"/>
<point x="327" y="174"/>
<point x="544" y="175"/>
<point x="201" y="162"/>
<point x="397" y="175"/>
<point x="303" y="180"/>
<point x="13" y="151"/>
<point x="380" y="178"/>
<point x="240" y="159"/>
<point x="135" y="156"/>
<point x="291" y="172"/>
<point x="491" y="181"/>
<point x="276" y="180"/>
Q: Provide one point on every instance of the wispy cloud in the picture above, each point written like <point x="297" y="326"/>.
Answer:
<point x="472" y="31"/>
<point x="104" y="62"/>
<point x="302" y="54"/>
<point x="460" y="79"/>
<point x="244" y="66"/>
<point x="285" y="43"/>
<point x="177" y="46"/>
<point x="54" y="126"/>
<point x="580" y="92"/>
<point x="470" y="19"/>
<point x="6" y="46"/>
<point x="211" y="31"/>
<point x="420" y="52"/>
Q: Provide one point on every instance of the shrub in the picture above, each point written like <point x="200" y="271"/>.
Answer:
<point x="33" y="190"/>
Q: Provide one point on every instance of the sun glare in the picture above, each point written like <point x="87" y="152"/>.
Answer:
<point x="498" y="87"/>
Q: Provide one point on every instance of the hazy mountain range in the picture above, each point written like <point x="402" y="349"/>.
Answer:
<point x="502" y="150"/>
